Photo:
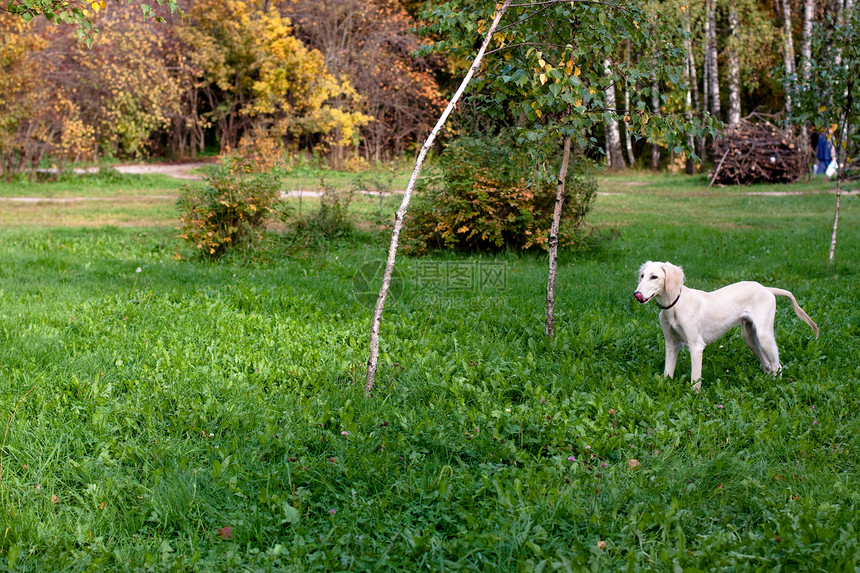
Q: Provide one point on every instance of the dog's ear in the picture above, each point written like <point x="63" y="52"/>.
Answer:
<point x="674" y="278"/>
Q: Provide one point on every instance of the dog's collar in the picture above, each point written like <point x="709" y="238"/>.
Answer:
<point x="661" y="307"/>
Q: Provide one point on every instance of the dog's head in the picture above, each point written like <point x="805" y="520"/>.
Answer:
<point x="656" y="279"/>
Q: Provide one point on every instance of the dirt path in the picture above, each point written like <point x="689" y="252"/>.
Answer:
<point x="186" y="171"/>
<point x="177" y="170"/>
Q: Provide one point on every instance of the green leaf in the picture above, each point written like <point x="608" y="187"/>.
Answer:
<point x="291" y="514"/>
<point x="12" y="556"/>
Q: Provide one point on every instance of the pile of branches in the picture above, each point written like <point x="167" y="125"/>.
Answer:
<point x="758" y="152"/>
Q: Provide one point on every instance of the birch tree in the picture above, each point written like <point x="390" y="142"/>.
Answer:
<point x="655" y="109"/>
<point x="734" y="86"/>
<point x="806" y="66"/>
<point x="549" y="320"/>
<point x="829" y="97"/>
<point x="628" y="140"/>
<point x="373" y="358"/>
<point x="614" y="156"/>
<point x="711" y="58"/>
<point x="692" y="96"/>
<point x="788" y="50"/>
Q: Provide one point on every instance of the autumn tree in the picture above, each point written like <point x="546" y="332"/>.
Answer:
<point x="258" y="79"/>
<point x="72" y="103"/>
<point x="123" y="87"/>
<point x="370" y="42"/>
<point x="23" y="96"/>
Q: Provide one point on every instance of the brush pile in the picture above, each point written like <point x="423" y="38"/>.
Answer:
<point x="757" y="152"/>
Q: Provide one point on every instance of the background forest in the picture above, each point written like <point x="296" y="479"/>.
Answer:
<point x="338" y="79"/>
<point x="335" y="77"/>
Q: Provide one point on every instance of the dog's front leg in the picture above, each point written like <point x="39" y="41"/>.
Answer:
<point x="697" y="349"/>
<point x="673" y="347"/>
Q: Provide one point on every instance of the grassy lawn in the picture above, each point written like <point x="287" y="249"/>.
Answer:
<point x="165" y="414"/>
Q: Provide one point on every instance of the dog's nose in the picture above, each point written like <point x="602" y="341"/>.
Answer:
<point x="639" y="296"/>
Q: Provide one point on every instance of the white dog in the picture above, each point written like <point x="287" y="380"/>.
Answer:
<point x="697" y="318"/>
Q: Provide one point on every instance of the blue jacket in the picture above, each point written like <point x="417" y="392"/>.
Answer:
<point x="823" y="152"/>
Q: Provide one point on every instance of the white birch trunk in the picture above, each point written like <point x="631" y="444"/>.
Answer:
<point x="628" y="143"/>
<point x="655" y="109"/>
<point x="806" y="69"/>
<point x="841" y="160"/>
<point x="692" y="89"/>
<point x="835" y="220"/>
<point x="840" y="19"/>
<point x="714" y="79"/>
<point x="553" y="240"/>
<point x="706" y="60"/>
<point x="613" y="137"/>
<point x="373" y="358"/>
<point x="734" y="114"/>
<point x="806" y="44"/>
<point x="628" y="139"/>
<point x="788" y="49"/>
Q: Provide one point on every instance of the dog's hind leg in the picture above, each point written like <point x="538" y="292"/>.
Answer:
<point x="770" y="352"/>
<point x="763" y="328"/>
<point x="751" y="338"/>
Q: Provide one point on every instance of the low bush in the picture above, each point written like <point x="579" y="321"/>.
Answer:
<point x="332" y="219"/>
<point x="480" y="197"/>
<point x="233" y="207"/>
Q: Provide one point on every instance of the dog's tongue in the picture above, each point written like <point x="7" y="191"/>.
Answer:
<point x="639" y="296"/>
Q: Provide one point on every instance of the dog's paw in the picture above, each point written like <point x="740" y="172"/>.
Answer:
<point x="697" y="387"/>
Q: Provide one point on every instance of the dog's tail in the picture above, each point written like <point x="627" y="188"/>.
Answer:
<point x="799" y="311"/>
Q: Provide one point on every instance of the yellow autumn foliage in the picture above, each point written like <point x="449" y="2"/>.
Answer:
<point x="268" y="77"/>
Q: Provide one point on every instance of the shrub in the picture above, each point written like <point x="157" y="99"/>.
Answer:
<point x="332" y="218"/>
<point x="233" y="207"/>
<point x="478" y="196"/>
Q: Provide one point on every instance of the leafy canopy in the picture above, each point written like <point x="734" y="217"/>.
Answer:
<point x="78" y="13"/>
<point x="545" y="67"/>
<point x="830" y="96"/>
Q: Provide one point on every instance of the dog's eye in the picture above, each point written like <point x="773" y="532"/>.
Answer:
<point x="653" y="277"/>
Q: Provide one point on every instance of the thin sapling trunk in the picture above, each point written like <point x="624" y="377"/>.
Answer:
<point x="373" y="358"/>
<point x="841" y="160"/>
<point x="553" y="240"/>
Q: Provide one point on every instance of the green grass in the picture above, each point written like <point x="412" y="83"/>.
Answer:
<point x="106" y="183"/>
<point x="394" y="176"/>
<point x="162" y="406"/>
